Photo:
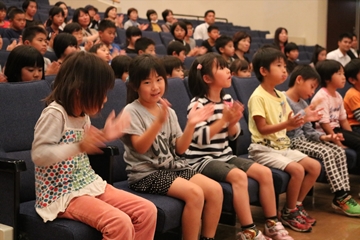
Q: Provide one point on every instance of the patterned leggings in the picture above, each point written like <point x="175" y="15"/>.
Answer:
<point x="332" y="156"/>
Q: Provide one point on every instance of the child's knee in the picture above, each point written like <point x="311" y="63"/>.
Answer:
<point x="264" y="175"/>
<point x="315" y="167"/>
<point x="194" y="194"/>
<point x="295" y="170"/>
<point x="120" y="225"/>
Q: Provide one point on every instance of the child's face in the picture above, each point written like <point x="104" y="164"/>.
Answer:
<point x="31" y="73"/>
<point x="338" y="80"/>
<point x="31" y="9"/>
<point x="177" y="72"/>
<point x="151" y="89"/>
<point x="69" y="50"/>
<point x="79" y="36"/>
<point x="179" y="32"/>
<point x="243" y="73"/>
<point x="214" y="34"/>
<point x="190" y="30"/>
<point x="19" y="21"/>
<point x="65" y="9"/>
<point x="306" y="88"/>
<point x="283" y="36"/>
<point x="39" y="42"/>
<point x="133" y="39"/>
<point x="153" y="16"/>
<point x="181" y="56"/>
<point x="84" y="19"/>
<point x="107" y="36"/>
<point x="293" y="55"/>
<point x="356" y="82"/>
<point x="210" y="18"/>
<point x="150" y="50"/>
<point x="112" y="13"/>
<point x="133" y="16"/>
<point x="344" y="44"/>
<point x="244" y="45"/>
<point x="228" y="50"/>
<point x="277" y="73"/>
<point x="124" y="76"/>
<point x="221" y="77"/>
<point x="2" y="15"/>
<point x="103" y="53"/>
<point x="322" y="56"/>
<point x="58" y="19"/>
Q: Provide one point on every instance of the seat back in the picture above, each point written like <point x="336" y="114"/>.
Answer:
<point x="21" y="105"/>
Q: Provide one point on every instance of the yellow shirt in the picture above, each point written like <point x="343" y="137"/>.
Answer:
<point x="275" y="110"/>
<point x="155" y="27"/>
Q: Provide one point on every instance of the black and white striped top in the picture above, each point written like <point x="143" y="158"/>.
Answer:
<point x="202" y="149"/>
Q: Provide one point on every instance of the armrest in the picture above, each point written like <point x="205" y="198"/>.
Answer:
<point x="103" y="163"/>
<point x="12" y="165"/>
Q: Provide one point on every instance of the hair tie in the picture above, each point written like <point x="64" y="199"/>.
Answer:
<point x="199" y="67"/>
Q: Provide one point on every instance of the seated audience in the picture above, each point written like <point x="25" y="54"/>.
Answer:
<point x="24" y="63"/>
<point x="281" y="38"/>
<point x="3" y="23"/>
<point x="292" y="54"/>
<point x="152" y="16"/>
<point x="132" y="34"/>
<point x="30" y="9"/>
<point x="64" y="7"/>
<point x="132" y="14"/>
<point x="225" y="46"/>
<point x="209" y="44"/>
<point x="76" y="30"/>
<point x="240" y="68"/>
<point x="188" y="38"/>
<point x="340" y="54"/>
<point x="176" y="49"/>
<point x="174" y="67"/>
<point x="111" y="14"/>
<point x="107" y="31"/>
<point x="17" y="24"/>
<point x="101" y="50"/>
<point x="201" y="31"/>
<point x="64" y="45"/>
<point x="242" y="42"/>
<point x="145" y="45"/>
<point x="82" y="17"/>
<point x="353" y="52"/>
<point x="319" y="55"/>
<point x="169" y="20"/>
<point x="94" y="16"/>
<point x="179" y="31"/>
<point x="55" y="21"/>
<point x="120" y="65"/>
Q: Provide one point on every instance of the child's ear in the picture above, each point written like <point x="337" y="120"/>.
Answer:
<point x="352" y="80"/>
<point x="299" y="79"/>
<point x="141" y="52"/>
<point x="221" y="49"/>
<point x="26" y="42"/>
<point x="207" y="79"/>
<point x="263" y="71"/>
<point x="174" y="54"/>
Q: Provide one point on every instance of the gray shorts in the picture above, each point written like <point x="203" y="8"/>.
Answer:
<point x="219" y="170"/>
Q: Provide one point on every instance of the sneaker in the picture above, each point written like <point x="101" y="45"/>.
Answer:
<point x="305" y="215"/>
<point x="276" y="231"/>
<point x="250" y="234"/>
<point x="348" y="206"/>
<point x="295" y="221"/>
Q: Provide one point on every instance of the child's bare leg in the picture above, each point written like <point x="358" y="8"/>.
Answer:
<point x="213" y="194"/>
<point x="263" y="176"/>
<point x="193" y="197"/>
<point x="239" y="182"/>
<point x="312" y="169"/>
<point x="296" y="172"/>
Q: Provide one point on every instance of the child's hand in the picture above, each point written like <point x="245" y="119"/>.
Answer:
<point x="114" y="126"/>
<point x="122" y="52"/>
<point x="202" y="50"/>
<point x="88" y="45"/>
<point x="312" y="114"/>
<point x="51" y="41"/>
<point x="294" y="121"/>
<point x="3" y="78"/>
<point x="92" y="141"/>
<point x="197" y="115"/>
<point x="193" y="52"/>
<point x="332" y="137"/>
<point x="97" y="17"/>
<point x="115" y="53"/>
<point x="143" y="26"/>
<point x="164" y="111"/>
<point x="53" y="68"/>
<point x="237" y="109"/>
<point x="11" y="46"/>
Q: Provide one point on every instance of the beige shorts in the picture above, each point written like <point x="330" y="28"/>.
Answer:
<point x="274" y="158"/>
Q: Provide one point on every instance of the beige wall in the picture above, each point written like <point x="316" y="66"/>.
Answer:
<point x="304" y="19"/>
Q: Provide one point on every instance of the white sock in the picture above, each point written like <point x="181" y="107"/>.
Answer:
<point x="298" y="203"/>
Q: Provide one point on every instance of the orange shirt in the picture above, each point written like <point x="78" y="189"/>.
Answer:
<point x="352" y="103"/>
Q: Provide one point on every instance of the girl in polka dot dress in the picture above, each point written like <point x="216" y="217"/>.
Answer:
<point x="152" y="142"/>
<point x="66" y="185"/>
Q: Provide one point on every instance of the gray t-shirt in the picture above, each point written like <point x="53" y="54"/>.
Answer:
<point x="161" y="155"/>
<point x="305" y="130"/>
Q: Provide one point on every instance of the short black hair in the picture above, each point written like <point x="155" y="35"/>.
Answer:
<point x="179" y="23"/>
<point x="187" y="22"/>
<point x="30" y="32"/>
<point x="238" y="36"/>
<point x="120" y="64"/>
<point x="62" y="41"/>
<point x="132" y="32"/>
<point x="91" y="7"/>
<point x="175" y="46"/>
<point x="130" y="10"/>
<point x="26" y="4"/>
<point x="276" y="37"/>
<point x="149" y="12"/>
<point x="222" y="41"/>
<point x="212" y="27"/>
<point x="290" y="47"/>
<point x="3" y="6"/>
<point x="106" y="14"/>
<point x="165" y="13"/>
<point x="77" y="14"/>
<point x="72" y="27"/>
<point x="352" y="69"/>
<point x="209" y="11"/>
<point x="345" y="35"/>
<point x="105" y="24"/>
<point x="306" y="72"/>
<point x="171" y="62"/>
<point x="143" y="43"/>
<point x="239" y="65"/>
<point x="15" y="12"/>
<point x="263" y="57"/>
<point x="326" y="69"/>
<point x="317" y="50"/>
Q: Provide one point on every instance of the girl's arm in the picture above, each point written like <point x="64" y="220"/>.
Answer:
<point x="328" y="130"/>
<point x="345" y="125"/>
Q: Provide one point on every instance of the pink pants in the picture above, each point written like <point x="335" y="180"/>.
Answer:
<point x="117" y="214"/>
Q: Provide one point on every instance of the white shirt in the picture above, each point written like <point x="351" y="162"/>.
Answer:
<point x="337" y="55"/>
<point x="201" y="31"/>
